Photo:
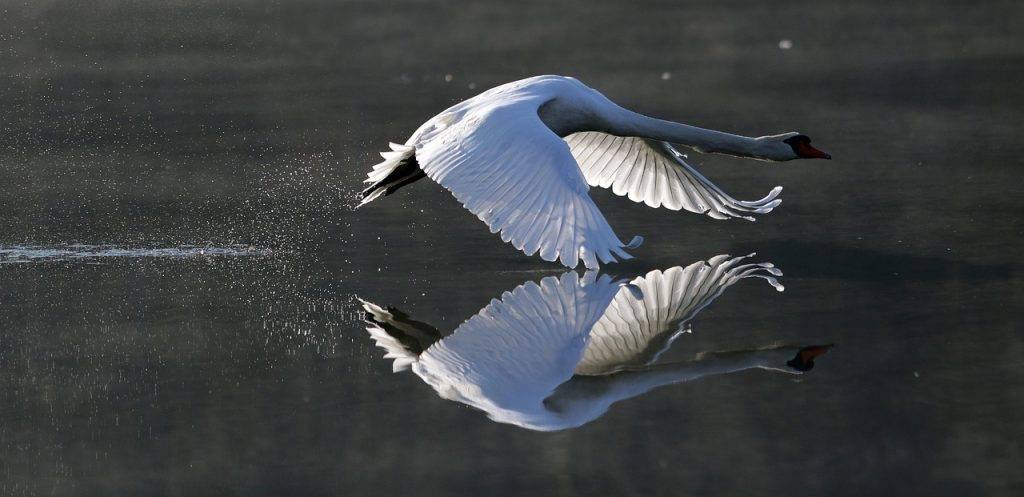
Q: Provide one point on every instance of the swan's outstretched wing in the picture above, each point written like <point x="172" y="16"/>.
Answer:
<point x="654" y="172"/>
<point x="634" y="331"/>
<point x="517" y="350"/>
<point x="509" y="169"/>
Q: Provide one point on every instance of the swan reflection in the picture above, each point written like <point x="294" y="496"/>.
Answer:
<point x="556" y="354"/>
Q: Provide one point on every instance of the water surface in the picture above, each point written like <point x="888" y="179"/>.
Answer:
<point x="132" y="129"/>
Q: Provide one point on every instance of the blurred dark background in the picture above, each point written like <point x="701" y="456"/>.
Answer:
<point x="152" y="124"/>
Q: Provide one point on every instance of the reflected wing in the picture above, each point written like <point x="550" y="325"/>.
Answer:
<point x="654" y="173"/>
<point x="515" y="351"/>
<point x="508" y="168"/>
<point x="403" y="339"/>
<point x="635" y="330"/>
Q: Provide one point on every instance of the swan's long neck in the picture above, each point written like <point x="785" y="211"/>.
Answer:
<point x="702" y="140"/>
<point x="632" y="382"/>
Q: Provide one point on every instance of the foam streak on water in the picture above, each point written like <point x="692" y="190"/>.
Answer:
<point x="36" y="253"/>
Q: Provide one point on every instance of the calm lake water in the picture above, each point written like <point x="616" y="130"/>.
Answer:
<point x="180" y="261"/>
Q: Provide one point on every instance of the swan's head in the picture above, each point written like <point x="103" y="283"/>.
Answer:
<point x="789" y="146"/>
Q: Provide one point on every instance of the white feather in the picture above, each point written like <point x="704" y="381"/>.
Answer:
<point x="504" y="165"/>
<point x="654" y="173"/>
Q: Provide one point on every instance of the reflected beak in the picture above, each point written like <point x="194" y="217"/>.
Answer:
<point x="804" y="360"/>
<point x="809" y="353"/>
<point x="806" y="151"/>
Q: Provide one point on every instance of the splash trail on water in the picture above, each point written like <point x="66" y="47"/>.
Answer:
<point x="37" y="253"/>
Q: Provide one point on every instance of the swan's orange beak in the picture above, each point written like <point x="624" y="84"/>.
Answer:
<point x="806" y="151"/>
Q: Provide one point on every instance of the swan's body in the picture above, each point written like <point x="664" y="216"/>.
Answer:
<point x="522" y="156"/>
<point x="558" y="354"/>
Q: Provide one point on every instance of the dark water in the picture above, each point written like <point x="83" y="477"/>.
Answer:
<point x="242" y="129"/>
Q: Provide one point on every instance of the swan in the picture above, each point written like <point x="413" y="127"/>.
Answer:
<point x="522" y="156"/>
<point x="558" y="354"/>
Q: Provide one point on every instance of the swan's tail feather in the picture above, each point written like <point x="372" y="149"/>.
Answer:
<point x="403" y="339"/>
<point x="398" y="169"/>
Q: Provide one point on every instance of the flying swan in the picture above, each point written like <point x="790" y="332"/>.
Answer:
<point x="521" y="156"/>
<point x="558" y="354"/>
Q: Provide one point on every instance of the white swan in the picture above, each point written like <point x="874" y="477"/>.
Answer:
<point x="503" y="156"/>
<point x="558" y="354"/>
